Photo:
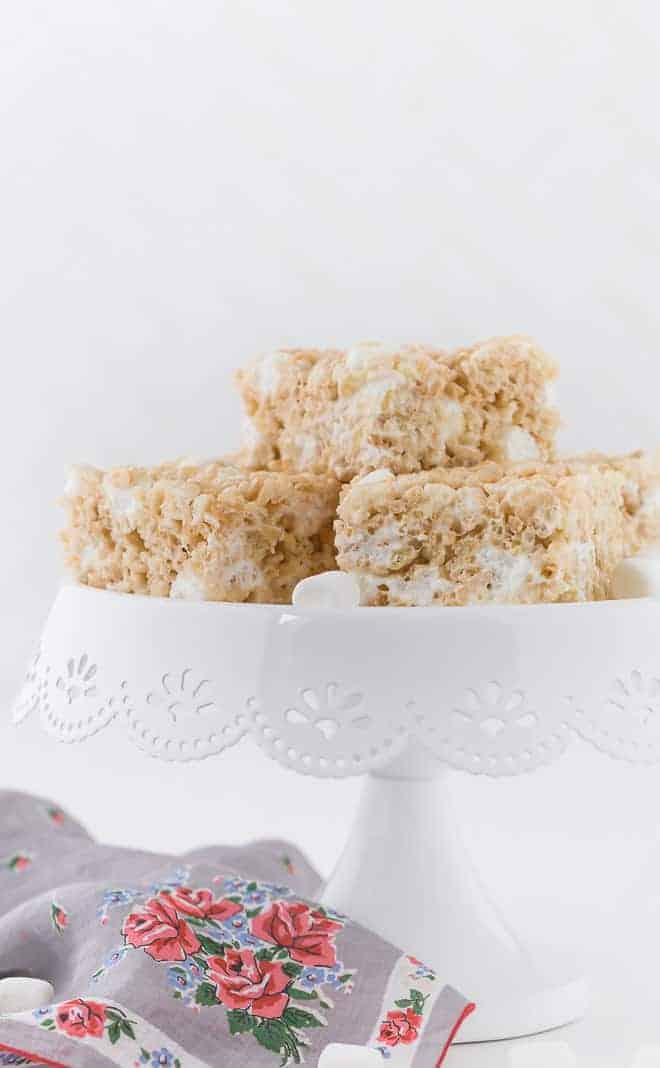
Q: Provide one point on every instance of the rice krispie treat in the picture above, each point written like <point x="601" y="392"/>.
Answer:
<point x="409" y="409"/>
<point x="488" y="534"/>
<point x="199" y="531"/>
<point x="641" y="495"/>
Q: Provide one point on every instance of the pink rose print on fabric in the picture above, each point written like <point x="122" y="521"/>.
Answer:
<point x="304" y="932"/>
<point x="158" y="930"/>
<point x="81" y="1019"/>
<point x="18" y="862"/>
<point x="251" y="949"/>
<point x="57" y="816"/>
<point x="400" y="1028"/>
<point x="200" y="904"/>
<point x="59" y="917"/>
<point x="243" y="982"/>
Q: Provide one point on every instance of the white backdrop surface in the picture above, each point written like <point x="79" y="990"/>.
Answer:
<point x="184" y="184"/>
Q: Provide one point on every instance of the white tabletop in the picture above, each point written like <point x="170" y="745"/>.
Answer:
<point x="622" y="1029"/>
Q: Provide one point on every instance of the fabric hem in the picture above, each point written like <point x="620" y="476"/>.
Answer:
<point x="32" y="1058"/>
<point x="467" y="1011"/>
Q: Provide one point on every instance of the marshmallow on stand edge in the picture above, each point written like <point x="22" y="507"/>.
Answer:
<point x="331" y="589"/>
<point x="638" y="576"/>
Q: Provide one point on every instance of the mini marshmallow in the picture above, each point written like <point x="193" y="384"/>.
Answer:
<point x="341" y="1055"/>
<point x="382" y="474"/>
<point x="546" y="1055"/>
<point x="331" y="589"/>
<point x="638" y="576"/>
<point x="21" y="994"/>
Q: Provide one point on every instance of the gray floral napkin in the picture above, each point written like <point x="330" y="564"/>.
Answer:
<point x="218" y="958"/>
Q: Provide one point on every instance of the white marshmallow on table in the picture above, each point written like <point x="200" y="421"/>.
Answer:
<point x="331" y="589"/>
<point x="341" y="1055"/>
<point x="638" y="576"/>
<point x="21" y="994"/>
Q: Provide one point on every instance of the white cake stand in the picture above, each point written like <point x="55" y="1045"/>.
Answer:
<point x="398" y="694"/>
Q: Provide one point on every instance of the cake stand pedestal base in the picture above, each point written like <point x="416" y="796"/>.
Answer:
<point x="407" y="874"/>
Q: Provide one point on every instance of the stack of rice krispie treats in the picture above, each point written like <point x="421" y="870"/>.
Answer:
<point x="430" y="476"/>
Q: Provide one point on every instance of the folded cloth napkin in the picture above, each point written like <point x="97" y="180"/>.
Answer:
<point x="217" y="958"/>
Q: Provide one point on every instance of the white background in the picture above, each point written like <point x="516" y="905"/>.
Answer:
<point x="184" y="184"/>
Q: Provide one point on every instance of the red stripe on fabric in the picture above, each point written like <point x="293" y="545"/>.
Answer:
<point x="467" y="1011"/>
<point x="33" y="1058"/>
